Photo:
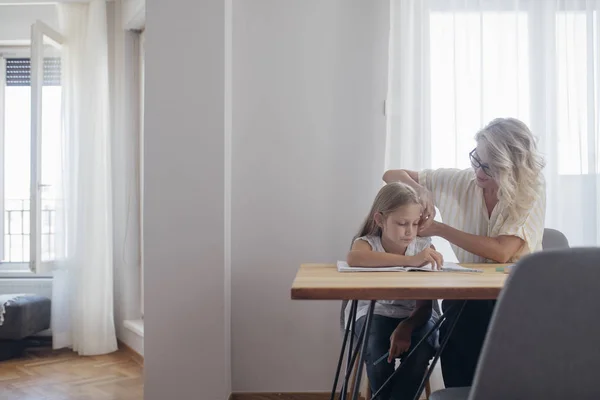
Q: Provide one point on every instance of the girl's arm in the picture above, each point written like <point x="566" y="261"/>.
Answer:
<point x="500" y="249"/>
<point x="400" y="340"/>
<point x="419" y="316"/>
<point x="361" y="255"/>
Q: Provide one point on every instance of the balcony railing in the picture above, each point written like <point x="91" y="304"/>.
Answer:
<point x="16" y="230"/>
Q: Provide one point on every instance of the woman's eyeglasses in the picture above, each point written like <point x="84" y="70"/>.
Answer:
<point x="477" y="164"/>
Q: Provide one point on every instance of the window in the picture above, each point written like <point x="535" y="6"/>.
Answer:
<point x="485" y="62"/>
<point x="30" y="133"/>
<point x="15" y="157"/>
<point x="15" y="93"/>
<point x="470" y="85"/>
<point x="575" y="83"/>
<point x="456" y="65"/>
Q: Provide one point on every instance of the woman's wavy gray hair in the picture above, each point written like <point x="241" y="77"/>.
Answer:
<point x="515" y="163"/>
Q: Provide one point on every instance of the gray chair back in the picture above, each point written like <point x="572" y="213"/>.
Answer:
<point x="553" y="240"/>
<point x="542" y="342"/>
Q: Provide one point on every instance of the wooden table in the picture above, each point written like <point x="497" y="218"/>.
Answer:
<point x="324" y="282"/>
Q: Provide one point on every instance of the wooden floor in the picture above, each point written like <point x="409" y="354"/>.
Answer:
<point x="44" y="374"/>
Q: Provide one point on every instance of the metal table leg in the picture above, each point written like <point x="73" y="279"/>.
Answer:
<point x="365" y="341"/>
<point x="348" y="331"/>
<point x="354" y="350"/>
<point x="349" y="358"/>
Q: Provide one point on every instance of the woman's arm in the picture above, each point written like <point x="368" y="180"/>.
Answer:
<point x="411" y="178"/>
<point x="500" y="249"/>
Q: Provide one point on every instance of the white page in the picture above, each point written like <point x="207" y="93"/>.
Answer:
<point x="342" y="266"/>
<point x="453" y="267"/>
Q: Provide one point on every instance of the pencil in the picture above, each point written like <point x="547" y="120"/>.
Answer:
<point x="383" y="357"/>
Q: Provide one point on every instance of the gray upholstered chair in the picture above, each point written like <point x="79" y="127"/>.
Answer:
<point x="542" y="339"/>
<point x="553" y="240"/>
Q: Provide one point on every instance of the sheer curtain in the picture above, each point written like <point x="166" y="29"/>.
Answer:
<point x="457" y="64"/>
<point x="82" y="303"/>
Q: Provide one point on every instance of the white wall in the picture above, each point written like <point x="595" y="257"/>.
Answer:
<point x="16" y="20"/>
<point x="186" y="317"/>
<point x="309" y="81"/>
<point x="124" y="90"/>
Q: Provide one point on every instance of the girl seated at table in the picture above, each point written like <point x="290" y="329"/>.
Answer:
<point x="388" y="237"/>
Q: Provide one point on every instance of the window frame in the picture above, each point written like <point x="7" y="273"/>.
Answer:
<point x="8" y="269"/>
<point x="2" y="128"/>
<point x="26" y="49"/>
<point x="39" y="30"/>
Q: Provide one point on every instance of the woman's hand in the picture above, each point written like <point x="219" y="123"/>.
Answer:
<point x="399" y="342"/>
<point x="427" y="256"/>
<point x="431" y="230"/>
<point x="411" y="178"/>
<point x="428" y="215"/>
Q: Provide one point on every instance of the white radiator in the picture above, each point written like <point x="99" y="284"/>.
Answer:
<point x="39" y="286"/>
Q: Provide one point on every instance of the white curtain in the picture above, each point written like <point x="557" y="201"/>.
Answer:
<point x="457" y="64"/>
<point x="82" y="300"/>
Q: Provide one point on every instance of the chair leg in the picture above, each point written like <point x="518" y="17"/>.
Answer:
<point x="365" y="388"/>
<point x="427" y="389"/>
<point x="353" y="378"/>
<point x="368" y="393"/>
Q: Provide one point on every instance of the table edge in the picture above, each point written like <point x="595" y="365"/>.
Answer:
<point x="458" y="293"/>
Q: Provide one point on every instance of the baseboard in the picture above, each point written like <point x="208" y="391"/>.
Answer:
<point x="131" y="339"/>
<point x="137" y="357"/>
<point x="284" y="396"/>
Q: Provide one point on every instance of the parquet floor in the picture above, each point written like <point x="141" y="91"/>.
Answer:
<point x="44" y="374"/>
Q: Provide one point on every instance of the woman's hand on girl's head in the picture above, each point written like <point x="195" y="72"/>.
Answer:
<point x="427" y="256"/>
<point x="428" y="215"/>
<point x="431" y="230"/>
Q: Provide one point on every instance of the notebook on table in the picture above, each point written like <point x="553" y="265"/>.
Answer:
<point x="342" y="266"/>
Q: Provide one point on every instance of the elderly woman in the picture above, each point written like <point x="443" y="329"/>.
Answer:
<point x="493" y="212"/>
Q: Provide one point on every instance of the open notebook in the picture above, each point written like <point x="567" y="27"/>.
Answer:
<point x="342" y="266"/>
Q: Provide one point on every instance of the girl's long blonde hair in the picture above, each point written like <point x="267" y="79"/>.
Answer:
<point x="515" y="163"/>
<point x="390" y="197"/>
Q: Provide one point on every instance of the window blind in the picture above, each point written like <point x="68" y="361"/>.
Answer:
<point x="18" y="71"/>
